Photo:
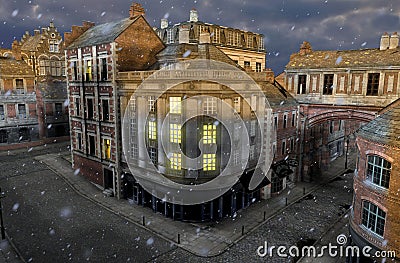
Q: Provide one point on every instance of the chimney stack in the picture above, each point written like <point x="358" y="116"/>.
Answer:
<point x="16" y="50"/>
<point x="183" y="34"/>
<point x="305" y="48"/>
<point x="394" y="41"/>
<point x="164" y="23"/>
<point x="76" y="31"/>
<point x="194" y="16"/>
<point x="385" y="39"/>
<point x="136" y="10"/>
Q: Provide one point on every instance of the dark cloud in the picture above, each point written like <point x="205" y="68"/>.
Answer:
<point x="327" y="24"/>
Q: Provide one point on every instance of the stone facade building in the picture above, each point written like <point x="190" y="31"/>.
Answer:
<point x="375" y="212"/>
<point x="338" y="92"/>
<point x="42" y="90"/>
<point x="245" y="48"/>
<point x="108" y="62"/>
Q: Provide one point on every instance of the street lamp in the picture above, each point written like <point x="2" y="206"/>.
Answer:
<point x="3" y="234"/>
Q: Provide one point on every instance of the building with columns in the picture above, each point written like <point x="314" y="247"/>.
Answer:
<point x="245" y="48"/>
<point x="106" y="65"/>
<point x="339" y="91"/>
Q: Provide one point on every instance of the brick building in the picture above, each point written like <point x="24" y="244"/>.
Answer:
<point x="375" y="212"/>
<point x="108" y="62"/>
<point x="42" y="90"/>
<point x="338" y="92"/>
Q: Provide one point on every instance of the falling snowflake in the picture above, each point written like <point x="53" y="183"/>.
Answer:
<point x="338" y="60"/>
<point x="76" y="172"/>
<point x="150" y="241"/>
<point x="15" y="207"/>
<point x="14" y="13"/>
<point x="187" y="53"/>
<point x="103" y="13"/>
<point x="364" y="44"/>
<point x="66" y="103"/>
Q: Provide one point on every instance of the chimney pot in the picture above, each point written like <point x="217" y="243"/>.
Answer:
<point x="136" y="10"/>
<point x="194" y="16"/>
<point x="385" y="41"/>
<point x="394" y="41"/>
<point x="164" y="23"/>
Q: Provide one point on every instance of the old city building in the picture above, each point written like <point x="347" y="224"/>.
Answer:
<point x="18" y="117"/>
<point x="375" y="212"/>
<point x="44" y="88"/>
<point x="339" y="91"/>
<point x="108" y="62"/>
<point x="243" y="47"/>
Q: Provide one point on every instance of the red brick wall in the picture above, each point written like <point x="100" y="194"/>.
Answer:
<point x="92" y="170"/>
<point x="387" y="200"/>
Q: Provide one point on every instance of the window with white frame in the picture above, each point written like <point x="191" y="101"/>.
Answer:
<point x="170" y="36"/>
<point x="293" y="119"/>
<point x="53" y="46"/>
<point x="378" y="171"/>
<point x="2" y="113"/>
<point x="210" y="106"/>
<point x="22" y="111"/>
<point x="175" y="105"/>
<point x="152" y="103"/>
<point x="79" y="141"/>
<point x="236" y="155"/>
<point x="283" y="149"/>
<point x="285" y="120"/>
<point x="230" y="37"/>
<point x="373" y="218"/>
<point x="88" y="70"/>
<point x="216" y="35"/>
<point x="134" y="151"/>
<point x="19" y="86"/>
<point x="258" y="67"/>
<point x="175" y="133"/>
<point x="249" y="41"/>
<point x="153" y="154"/>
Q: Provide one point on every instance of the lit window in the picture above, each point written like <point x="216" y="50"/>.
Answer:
<point x="209" y="133"/>
<point x="236" y="104"/>
<point x="209" y="162"/>
<point x="176" y="161"/>
<point x="210" y="106"/>
<point x="175" y="133"/>
<point x="152" y="130"/>
<point x="373" y="218"/>
<point x="106" y="149"/>
<point x="175" y="105"/>
<point x="88" y="70"/>
<point x="378" y="171"/>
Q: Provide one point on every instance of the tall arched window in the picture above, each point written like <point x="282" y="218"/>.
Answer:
<point x="373" y="218"/>
<point x="378" y="171"/>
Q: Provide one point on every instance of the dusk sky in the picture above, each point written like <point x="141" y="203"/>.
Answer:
<point x="326" y="24"/>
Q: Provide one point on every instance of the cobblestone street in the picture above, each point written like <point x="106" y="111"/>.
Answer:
<point x="49" y="219"/>
<point x="301" y="223"/>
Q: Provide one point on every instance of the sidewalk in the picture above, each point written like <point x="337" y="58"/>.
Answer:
<point x="202" y="239"/>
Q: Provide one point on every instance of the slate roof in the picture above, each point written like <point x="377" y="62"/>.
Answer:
<point x="101" y="34"/>
<point x="385" y="129"/>
<point x="345" y="59"/>
<point x="277" y="96"/>
<point x="9" y="66"/>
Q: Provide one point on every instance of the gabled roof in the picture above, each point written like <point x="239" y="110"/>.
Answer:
<point x="345" y="59"/>
<point x="385" y="129"/>
<point x="31" y="43"/>
<point x="101" y="34"/>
